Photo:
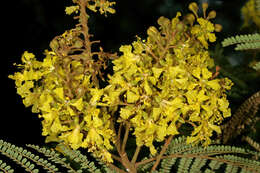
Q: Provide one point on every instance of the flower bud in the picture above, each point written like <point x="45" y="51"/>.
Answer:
<point x="194" y="8"/>
<point x="162" y="21"/>
<point x="152" y="32"/>
<point x="204" y="8"/>
<point x="180" y="26"/>
<point x="218" y="27"/>
<point x="190" y="18"/>
<point x="211" y="15"/>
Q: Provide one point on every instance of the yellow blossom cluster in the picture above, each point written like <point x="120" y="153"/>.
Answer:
<point x="64" y="87"/>
<point x="203" y="31"/>
<point x="72" y="9"/>
<point x="158" y="84"/>
<point x="250" y="13"/>
<point x="62" y="93"/>
<point x="164" y="81"/>
<point x="103" y="6"/>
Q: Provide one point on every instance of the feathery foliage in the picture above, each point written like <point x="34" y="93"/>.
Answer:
<point x="251" y="142"/>
<point x="46" y="159"/>
<point x="180" y="156"/>
<point x="243" y="42"/>
<point x="183" y="157"/>
<point x="5" y="168"/>
<point x="245" y="116"/>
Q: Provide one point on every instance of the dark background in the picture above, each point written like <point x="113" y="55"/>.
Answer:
<point x="31" y="24"/>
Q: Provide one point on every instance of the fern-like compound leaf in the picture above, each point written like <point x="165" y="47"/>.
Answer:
<point x="146" y="167"/>
<point x="76" y="156"/>
<point x="188" y="158"/>
<point x="231" y="169"/>
<point x="184" y="165"/>
<point x="243" y="42"/>
<point x="243" y="117"/>
<point x="166" y="165"/>
<point x="52" y="156"/>
<point x="215" y="165"/>
<point x="198" y="164"/>
<point x="17" y="155"/>
<point x="5" y="167"/>
<point x="251" y="142"/>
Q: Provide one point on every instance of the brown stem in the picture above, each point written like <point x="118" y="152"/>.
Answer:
<point x="166" y="48"/>
<point x="116" y="168"/>
<point x="95" y="41"/>
<point x="84" y="23"/>
<point x="83" y="18"/>
<point x="159" y="157"/>
<point x="152" y="54"/>
<point x="137" y="150"/>
<point x="145" y="161"/>
<point x="116" y="158"/>
<point x="118" y="140"/>
<point x="121" y="149"/>
<point x="127" y="164"/>
<point x="125" y="136"/>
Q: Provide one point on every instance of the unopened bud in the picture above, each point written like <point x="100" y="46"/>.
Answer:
<point x="190" y="18"/>
<point x="204" y="8"/>
<point x="152" y="31"/>
<point x="194" y="8"/>
<point x="205" y="5"/>
<point x="212" y="15"/>
<point x="180" y="26"/>
<point x="218" y="27"/>
<point x="163" y="21"/>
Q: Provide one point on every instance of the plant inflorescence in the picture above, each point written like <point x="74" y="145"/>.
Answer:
<point x="158" y="85"/>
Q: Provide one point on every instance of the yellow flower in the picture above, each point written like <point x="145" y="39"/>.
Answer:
<point x="24" y="89"/>
<point x="72" y="9"/>
<point x="250" y="14"/>
<point x="157" y="83"/>
<point x="203" y="31"/>
<point x="126" y="112"/>
<point x="27" y="57"/>
<point x="132" y="96"/>
<point x="78" y="104"/>
<point x="106" y="156"/>
<point x="59" y="92"/>
<point x="75" y="138"/>
<point x="103" y="5"/>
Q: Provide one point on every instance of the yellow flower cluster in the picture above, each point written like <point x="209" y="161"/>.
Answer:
<point x="203" y="31"/>
<point x="62" y="93"/>
<point x="64" y="88"/>
<point x="250" y="13"/>
<point x="164" y="81"/>
<point x="158" y="84"/>
<point x="104" y="6"/>
<point x="72" y="9"/>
